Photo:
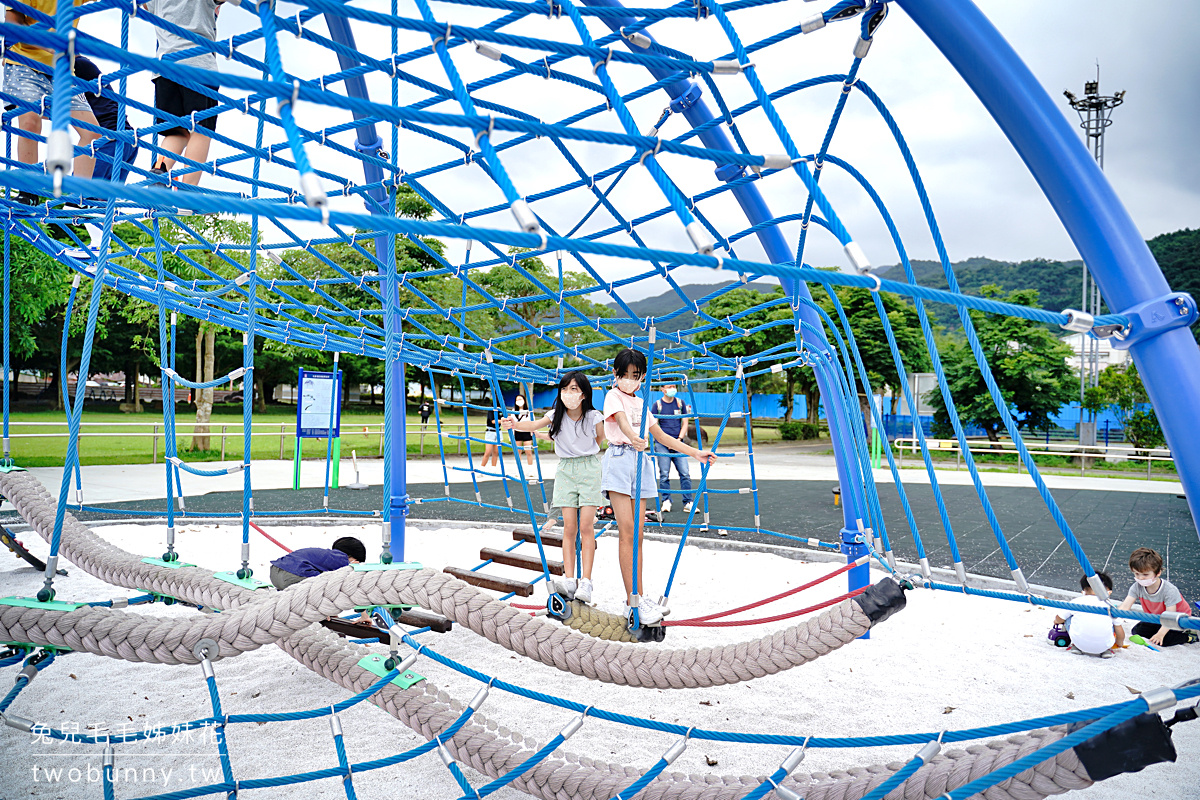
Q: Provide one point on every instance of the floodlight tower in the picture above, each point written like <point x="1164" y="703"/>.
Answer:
<point x="1095" y="115"/>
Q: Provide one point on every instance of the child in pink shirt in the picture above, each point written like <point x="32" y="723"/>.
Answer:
<point x="626" y="447"/>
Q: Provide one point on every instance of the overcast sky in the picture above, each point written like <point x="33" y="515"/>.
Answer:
<point x="985" y="200"/>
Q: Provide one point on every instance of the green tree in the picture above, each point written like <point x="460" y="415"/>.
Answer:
<point x="871" y="339"/>
<point x="1143" y="431"/>
<point x="1120" y="391"/>
<point x="781" y="330"/>
<point x="530" y="304"/>
<point x="1029" y="365"/>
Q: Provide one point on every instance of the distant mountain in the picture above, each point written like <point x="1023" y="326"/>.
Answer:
<point x="1058" y="282"/>
<point x="668" y="303"/>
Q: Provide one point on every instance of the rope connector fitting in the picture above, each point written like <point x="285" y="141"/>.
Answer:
<point x="813" y="23"/>
<point x="59" y="154"/>
<point x="314" y="193"/>
<point x="487" y="51"/>
<point x="858" y="259"/>
<point x="699" y="237"/>
<point x="729" y="67"/>
<point x="1078" y="321"/>
<point x="638" y="39"/>
<point x="1159" y="699"/>
<point x="862" y="47"/>
<point x="526" y="219"/>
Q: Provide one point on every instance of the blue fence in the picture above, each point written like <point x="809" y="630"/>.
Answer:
<point x="770" y="406"/>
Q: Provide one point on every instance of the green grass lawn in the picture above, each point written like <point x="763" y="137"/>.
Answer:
<point x="116" y="438"/>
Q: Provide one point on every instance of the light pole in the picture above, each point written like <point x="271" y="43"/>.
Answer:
<point x="1095" y="115"/>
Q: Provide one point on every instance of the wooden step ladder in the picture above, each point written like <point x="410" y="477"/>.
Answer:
<point x="520" y="560"/>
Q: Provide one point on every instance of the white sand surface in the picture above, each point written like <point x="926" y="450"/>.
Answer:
<point x="944" y="662"/>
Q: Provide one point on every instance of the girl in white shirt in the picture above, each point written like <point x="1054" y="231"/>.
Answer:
<point x="576" y="429"/>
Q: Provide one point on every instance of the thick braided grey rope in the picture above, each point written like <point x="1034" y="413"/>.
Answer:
<point x="494" y="752"/>
<point x="265" y="617"/>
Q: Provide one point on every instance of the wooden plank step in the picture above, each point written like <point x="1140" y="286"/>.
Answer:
<point x="516" y="560"/>
<point x="548" y="539"/>
<point x="493" y="582"/>
<point x="420" y="618"/>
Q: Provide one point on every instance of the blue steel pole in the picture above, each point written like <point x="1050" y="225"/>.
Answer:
<point x="687" y="98"/>
<point x="394" y="422"/>
<point x="1101" y="228"/>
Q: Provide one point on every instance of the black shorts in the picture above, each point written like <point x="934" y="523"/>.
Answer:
<point x="523" y="436"/>
<point x="181" y="101"/>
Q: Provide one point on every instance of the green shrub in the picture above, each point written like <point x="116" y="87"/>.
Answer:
<point x="791" y="431"/>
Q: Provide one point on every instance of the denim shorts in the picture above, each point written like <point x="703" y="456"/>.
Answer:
<point x="33" y="87"/>
<point x="577" y="482"/>
<point x="491" y="437"/>
<point x="620" y="472"/>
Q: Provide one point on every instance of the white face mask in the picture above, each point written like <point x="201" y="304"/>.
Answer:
<point x="572" y="400"/>
<point x="1147" y="582"/>
<point x="520" y="402"/>
<point x="628" y="385"/>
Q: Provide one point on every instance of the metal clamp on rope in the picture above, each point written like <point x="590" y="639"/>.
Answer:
<point x="487" y="51"/>
<point x="1078" y="321"/>
<point x="931" y="749"/>
<point x="813" y="23"/>
<point x="699" y="237"/>
<point x="59" y="154"/>
<point x="676" y="750"/>
<point x="730" y="67"/>
<point x="858" y="259"/>
<point x="638" y="39"/>
<point x="1170" y="619"/>
<point x="525" y="217"/>
<point x="574" y="725"/>
<point x="314" y="194"/>
<point x="773" y="161"/>
<point x="480" y="696"/>
<point x="1159" y="699"/>
<point x="20" y="723"/>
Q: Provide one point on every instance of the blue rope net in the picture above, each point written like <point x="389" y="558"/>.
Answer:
<point x="589" y="177"/>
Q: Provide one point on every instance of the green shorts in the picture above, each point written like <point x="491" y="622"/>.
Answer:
<point x="577" y="482"/>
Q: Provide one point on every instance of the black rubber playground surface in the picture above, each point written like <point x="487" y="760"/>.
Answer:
<point x="1108" y="524"/>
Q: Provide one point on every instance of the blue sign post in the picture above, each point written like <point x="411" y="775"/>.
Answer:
<point x="319" y="416"/>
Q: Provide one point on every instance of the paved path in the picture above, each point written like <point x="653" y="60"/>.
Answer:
<point x="1109" y="516"/>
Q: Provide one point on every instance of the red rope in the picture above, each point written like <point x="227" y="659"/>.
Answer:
<point x="269" y="536"/>
<point x="518" y="605"/>
<point x="779" y="596"/>
<point x="703" y="622"/>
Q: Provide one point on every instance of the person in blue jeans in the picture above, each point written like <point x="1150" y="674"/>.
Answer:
<point x="672" y="415"/>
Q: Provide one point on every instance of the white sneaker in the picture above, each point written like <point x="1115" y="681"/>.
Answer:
<point x="666" y="506"/>
<point x="687" y="508"/>
<point x="649" y="612"/>
<point x="564" y="586"/>
<point x="583" y="591"/>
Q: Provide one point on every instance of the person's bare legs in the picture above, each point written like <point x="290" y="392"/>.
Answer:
<point x="622" y="506"/>
<point x="197" y="150"/>
<point x="27" y="149"/>
<point x="587" y="523"/>
<point x="84" y="165"/>
<point x="175" y="143"/>
<point x="491" y="452"/>
<point x="570" y="529"/>
<point x="529" y="454"/>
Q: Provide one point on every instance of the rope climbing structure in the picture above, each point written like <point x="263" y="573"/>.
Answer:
<point x="527" y="146"/>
